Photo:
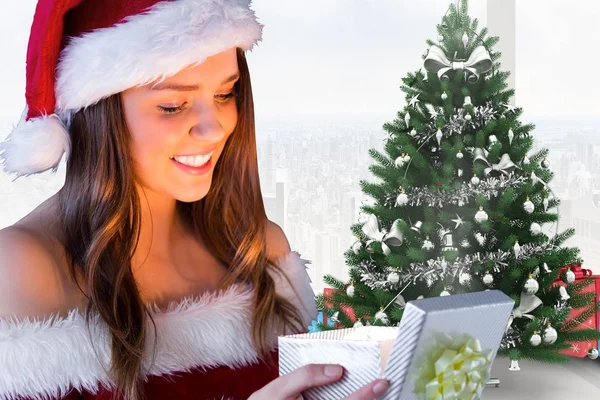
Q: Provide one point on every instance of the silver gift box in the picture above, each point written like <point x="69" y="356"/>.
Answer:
<point x="482" y="315"/>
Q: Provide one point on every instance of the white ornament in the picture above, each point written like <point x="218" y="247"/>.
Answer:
<point x="550" y="335"/>
<point x="531" y="286"/>
<point x="460" y="172"/>
<point x="350" y="291"/>
<point x="380" y="315"/>
<point x="445" y="293"/>
<point x="440" y="38"/>
<point x="464" y="278"/>
<point x="517" y="249"/>
<point x="480" y="238"/>
<point x="535" y="339"/>
<point x="356" y="246"/>
<point x="402" y="199"/>
<point x="481" y="215"/>
<point x="511" y="135"/>
<point x="393" y="277"/>
<point x="528" y="206"/>
<point x="569" y="276"/>
<point x="465" y="39"/>
<point x="406" y="158"/>
<point x="413" y="132"/>
<point x="444" y="96"/>
<point x="488" y="278"/>
<point x="546" y="269"/>
<point x="475" y="180"/>
<point x="535" y="229"/>
<point x="459" y="155"/>
<point x="399" y="161"/>
<point x="407" y="119"/>
<point x="526" y="160"/>
<point x="545" y="202"/>
<point x="438" y="136"/>
<point x="545" y="163"/>
<point x="465" y="243"/>
<point x="564" y="295"/>
<point x="514" y="365"/>
<point x="593" y="353"/>
<point x="427" y="244"/>
<point x="414" y="100"/>
<point x="468" y="117"/>
<point x="358" y="324"/>
<point x="493" y="139"/>
<point x="467" y="101"/>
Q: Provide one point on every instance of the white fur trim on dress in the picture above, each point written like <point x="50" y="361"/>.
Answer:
<point x="35" y="146"/>
<point x="46" y="358"/>
<point x="156" y="44"/>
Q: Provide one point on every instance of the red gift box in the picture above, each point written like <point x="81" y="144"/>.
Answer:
<point x="347" y="310"/>
<point x="580" y="349"/>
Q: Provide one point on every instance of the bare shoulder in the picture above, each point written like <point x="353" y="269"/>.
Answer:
<point x="277" y="243"/>
<point x="32" y="281"/>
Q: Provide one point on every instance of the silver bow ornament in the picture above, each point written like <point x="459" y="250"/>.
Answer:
<point x="479" y="62"/>
<point x="372" y="228"/>
<point x="529" y="302"/>
<point x="505" y="166"/>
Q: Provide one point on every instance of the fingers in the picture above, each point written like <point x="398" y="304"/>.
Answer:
<point x="291" y="385"/>
<point x="370" y="391"/>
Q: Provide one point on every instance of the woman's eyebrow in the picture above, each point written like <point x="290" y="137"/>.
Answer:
<point x="188" y="88"/>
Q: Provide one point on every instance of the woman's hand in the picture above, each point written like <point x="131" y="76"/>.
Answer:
<point x="290" y="386"/>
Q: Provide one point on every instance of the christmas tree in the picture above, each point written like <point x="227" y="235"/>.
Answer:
<point x="460" y="206"/>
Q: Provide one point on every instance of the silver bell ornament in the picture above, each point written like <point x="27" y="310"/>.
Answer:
<point x="427" y="244"/>
<point x="417" y="226"/>
<point x="481" y="215"/>
<point x="358" y="324"/>
<point x="493" y="139"/>
<point x="535" y="229"/>
<point x="550" y="334"/>
<point x="488" y="278"/>
<point x="402" y="199"/>
<point x="526" y="160"/>
<point x="531" y="286"/>
<point x="514" y="365"/>
<point x="467" y="101"/>
<point x="528" y="206"/>
<point x="592" y="353"/>
<point x="475" y="180"/>
<point x="445" y="292"/>
<point x="459" y="155"/>
<point x="356" y="247"/>
<point x="535" y="339"/>
<point x="393" y="277"/>
<point x="569" y="276"/>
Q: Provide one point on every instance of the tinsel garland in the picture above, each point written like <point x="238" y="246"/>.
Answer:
<point x="489" y="187"/>
<point x="439" y="269"/>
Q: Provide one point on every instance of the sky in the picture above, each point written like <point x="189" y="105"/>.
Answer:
<point x="349" y="56"/>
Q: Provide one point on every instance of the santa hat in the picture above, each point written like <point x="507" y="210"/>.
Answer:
<point x="81" y="51"/>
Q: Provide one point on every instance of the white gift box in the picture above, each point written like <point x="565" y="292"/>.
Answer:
<point x="443" y="345"/>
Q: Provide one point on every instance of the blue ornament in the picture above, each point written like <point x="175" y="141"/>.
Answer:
<point x="314" y="327"/>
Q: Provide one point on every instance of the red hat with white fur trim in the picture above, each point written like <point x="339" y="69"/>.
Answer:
<point x="81" y="51"/>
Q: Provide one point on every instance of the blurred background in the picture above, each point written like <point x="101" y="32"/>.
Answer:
<point x="326" y="77"/>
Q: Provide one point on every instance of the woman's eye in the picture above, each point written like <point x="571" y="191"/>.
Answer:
<point x="227" y="96"/>
<point x="171" y="110"/>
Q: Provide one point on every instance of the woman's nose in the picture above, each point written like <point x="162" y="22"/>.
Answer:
<point x="208" y="127"/>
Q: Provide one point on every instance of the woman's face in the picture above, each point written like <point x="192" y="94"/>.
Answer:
<point x="173" y="122"/>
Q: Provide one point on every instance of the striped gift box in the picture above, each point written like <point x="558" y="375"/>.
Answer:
<point x="482" y="315"/>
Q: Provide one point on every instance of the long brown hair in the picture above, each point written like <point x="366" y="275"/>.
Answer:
<point x="100" y="210"/>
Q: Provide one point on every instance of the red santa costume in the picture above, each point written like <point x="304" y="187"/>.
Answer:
<point x="79" y="52"/>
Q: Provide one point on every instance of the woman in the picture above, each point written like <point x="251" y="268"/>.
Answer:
<point x="154" y="272"/>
